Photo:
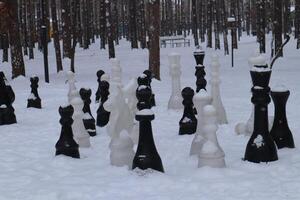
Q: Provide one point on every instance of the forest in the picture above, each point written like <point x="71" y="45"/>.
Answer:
<point x="29" y="24"/>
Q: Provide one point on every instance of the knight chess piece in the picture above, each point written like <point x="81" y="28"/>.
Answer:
<point x="7" y="97"/>
<point x="66" y="145"/>
<point x="149" y="75"/>
<point x="188" y="122"/>
<point x="88" y="119"/>
<point x="34" y="101"/>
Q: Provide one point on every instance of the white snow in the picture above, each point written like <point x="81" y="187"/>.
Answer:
<point x="279" y="88"/>
<point x="145" y="112"/>
<point x="258" y="141"/>
<point x="30" y="171"/>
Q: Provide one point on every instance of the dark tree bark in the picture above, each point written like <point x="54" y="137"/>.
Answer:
<point x="111" y="47"/>
<point x="102" y="23"/>
<point x="154" y="33"/>
<point x="261" y="24"/>
<point x="297" y="22"/>
<point x="59" y="66"/>
<point x="66" y="28"/>
<point x="133" y="22"/>
<point x="195" y="22"/>
<point x="277" y="24"/>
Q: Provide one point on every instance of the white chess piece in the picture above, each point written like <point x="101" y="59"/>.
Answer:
<point x="121" y="120"/>
<point x="116" y="75"/>
<point x="211" y="154"/>
<point x="129" y="91"/>
<point x="73" y="92"/>
<point x="215" y="90"/>
<point x="200" y="99"/>
<point x="175" y="101"/>
<point x="122" y="153"/>
<point x="81" y="136"/>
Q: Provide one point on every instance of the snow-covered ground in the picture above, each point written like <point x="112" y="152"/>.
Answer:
<point x="30" y="171"/>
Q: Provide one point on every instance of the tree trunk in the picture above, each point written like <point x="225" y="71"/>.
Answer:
<point x="154" y="33"/>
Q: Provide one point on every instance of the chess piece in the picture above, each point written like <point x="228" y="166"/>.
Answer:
<point x="120" y="116"/>
<point x="211" y="154"/>
<point x="66" y="145"/>
<point x="34" y="101"/>
<point x="73" y="92"/>
<point x="81" y="136"/>
<point x="200" y="70"/>
<point x="129" y="91"/>
<point x="280" y="131"/>
<point x="88" y="119"/>
<point x="99" y="75"/>
<point x="149" y="75"/>
<point x="261" y="147"/>
<point x="146" y="156"/>
<point x="7" y="97"/>
<point x="116" y="75"/>
<point x="175" y="72"/>
<point x="129" y="94"/>
<point x="102" y="114"/>
<point x="188" y="122"/>
<point x="257" y="59"/>
<point x="215" y="90"/>
<point x="201" y="99"/>
<point x="122" y="150"/>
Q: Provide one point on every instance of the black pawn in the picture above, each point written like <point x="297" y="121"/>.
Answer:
<point x="7" y="97"/>
<point x="146" y="156"/>
<point x="200" y="71"/>
<point x="280" y="131"/>
<point x="261" y="147"/>
<point x="89" y="122"/>
<point x="34" y="101"/>
<point x="102" y="114"/>
<point x="99" y="75"/>
<point x="66" y="145"/>
<point x="188" y="122"/>
<point x="149" y="75"/>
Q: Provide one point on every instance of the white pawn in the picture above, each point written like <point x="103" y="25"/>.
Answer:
<point x="81" y="136"/>
<point x="175" y="101"/>
<point x="201" y="99"/>
<point x="121" y="153"/>
<point x="116" y="75"/>
<point x="215" y="90"/>
<point x="73" y="92"/>
<point x="211" y="154"/>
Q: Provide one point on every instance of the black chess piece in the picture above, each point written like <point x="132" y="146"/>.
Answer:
<point x="200" y="71"/>
<point x="99" y="75"/>
<point x="89" y="121"/>
<point x="188" y="122"/>
<point x="149" y="75"/>
<point x="7" y="97"/>
<point x="261" y="147"/>
<point x="34" y="101"/>
<point x="102" y="114"/>
<point x="66" y="145"/>
<point x="146" y="156"/>
<point x="280" y="131"/>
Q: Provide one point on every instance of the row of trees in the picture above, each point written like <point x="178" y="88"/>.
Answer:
<point x="141" y="22"/>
